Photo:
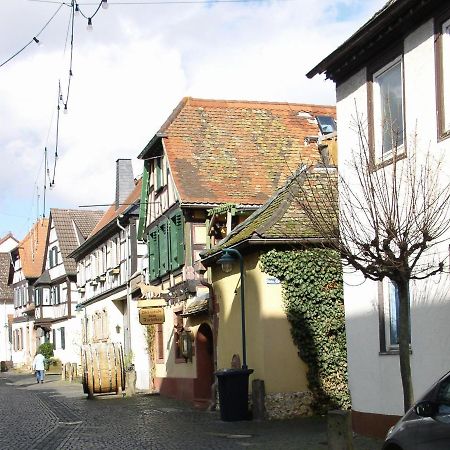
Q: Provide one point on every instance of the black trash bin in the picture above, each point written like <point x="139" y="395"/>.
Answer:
<point x="233" y="394"/>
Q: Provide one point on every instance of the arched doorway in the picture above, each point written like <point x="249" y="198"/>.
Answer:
<point x="204" y="348"/>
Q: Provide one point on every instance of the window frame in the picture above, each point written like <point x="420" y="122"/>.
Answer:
<point x="389" y="58"/>
<point x="387" y="347"/>
<point x="442" y="91"/>
<point x="178" y="322"/>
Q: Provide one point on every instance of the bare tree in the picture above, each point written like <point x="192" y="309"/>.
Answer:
<point x="387" y="223"/>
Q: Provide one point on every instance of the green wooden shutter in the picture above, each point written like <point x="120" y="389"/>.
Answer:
<point x="143" y="205"/>
<point x="153" y="254"/>
<point x="176" y="241"/>
<point x="163" y="247"/>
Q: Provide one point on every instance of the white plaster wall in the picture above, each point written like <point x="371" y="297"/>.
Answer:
<point x="139" y="348"/>
<point x="72" y="351"/>
<point x="5" y="346"/>
<point x="26" y="355"/>
<point x="375" y="379"/>
<point x="8" y="245"/>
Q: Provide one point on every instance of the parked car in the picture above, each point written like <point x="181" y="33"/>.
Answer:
<point x="426" y="426"/>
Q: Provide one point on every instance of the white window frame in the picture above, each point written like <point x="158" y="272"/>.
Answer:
<point x="376" y="111"/>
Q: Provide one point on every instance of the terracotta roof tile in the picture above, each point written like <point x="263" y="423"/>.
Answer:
<point x="238" y="151"/>
<point x="72" y="225"/>
<point x="283" y="216"/>
<point x="32" y="249"/>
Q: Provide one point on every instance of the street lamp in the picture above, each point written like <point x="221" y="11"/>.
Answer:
<point x="227" y="259"/>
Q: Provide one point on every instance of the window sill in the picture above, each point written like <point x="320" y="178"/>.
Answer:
<point x="387" y="159"/>
<point x="444" y="135"/>
<point x="392" y="352"/>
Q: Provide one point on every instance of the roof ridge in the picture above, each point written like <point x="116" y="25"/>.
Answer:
<point x="192" y="101"/>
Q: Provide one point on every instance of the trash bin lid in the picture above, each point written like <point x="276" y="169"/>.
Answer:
<point x="233" y="372"/>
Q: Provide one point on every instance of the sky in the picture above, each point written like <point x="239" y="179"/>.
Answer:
<point x="131" y="71"/>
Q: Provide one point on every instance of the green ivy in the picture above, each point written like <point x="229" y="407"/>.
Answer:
<point x="314" y="305"/>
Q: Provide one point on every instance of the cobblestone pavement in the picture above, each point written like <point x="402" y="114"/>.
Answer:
<point x="57" y="415"/>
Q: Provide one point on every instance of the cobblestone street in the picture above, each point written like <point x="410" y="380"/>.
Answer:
<point x="56" y="415"/>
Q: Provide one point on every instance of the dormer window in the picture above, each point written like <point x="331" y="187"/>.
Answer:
<point x="327" y="124"/>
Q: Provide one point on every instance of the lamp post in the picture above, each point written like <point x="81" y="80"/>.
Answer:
<point x="226" y="261"/>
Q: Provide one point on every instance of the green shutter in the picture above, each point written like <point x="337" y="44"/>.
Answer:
<point x="176" y="241"/>
<point x="163" y="247"/>
<point x="143" y="203"/>
<point x="153" y="254"/>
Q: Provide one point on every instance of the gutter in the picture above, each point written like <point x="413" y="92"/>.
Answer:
<point x="210" y="259"/>
<point x="385" y="21"/>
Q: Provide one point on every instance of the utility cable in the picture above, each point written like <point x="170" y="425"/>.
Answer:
<point x="159" y="2"/>
<point x="34" y="39"/>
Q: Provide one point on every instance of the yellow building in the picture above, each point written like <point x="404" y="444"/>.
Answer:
<point x="270" y="350"/>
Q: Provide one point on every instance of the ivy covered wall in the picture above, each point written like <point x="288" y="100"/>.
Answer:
<point x="314" y="305"/>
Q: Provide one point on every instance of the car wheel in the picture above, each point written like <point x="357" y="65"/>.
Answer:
<point x="392" y="447"/>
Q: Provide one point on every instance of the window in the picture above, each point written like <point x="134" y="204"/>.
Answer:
<point x="62" y="330"/>
<point x="327" y="124"/>
<point x="166" y="246"/>
<point x="388" y="116"/>
<point x="159" y="181"/>
<point x="55" y="298"/>
<point x="390" y="317"/>
<point x="38" y="296"/>
<point x="53" y="257"/>
<point x="179" y="327"/>
<point x="160" y="342"/>
<point x="443" y="76"/>
<point x="198" y="240"/>
<point x="54" y="339"/>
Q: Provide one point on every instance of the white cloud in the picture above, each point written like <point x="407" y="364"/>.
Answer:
<point x="130" y="73"/>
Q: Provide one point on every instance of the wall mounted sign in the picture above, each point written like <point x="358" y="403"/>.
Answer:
<point x="272" y="280"/>
<point x="151" y="316"/>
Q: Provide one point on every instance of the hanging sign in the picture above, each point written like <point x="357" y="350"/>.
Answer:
<point x="151" y="316"/>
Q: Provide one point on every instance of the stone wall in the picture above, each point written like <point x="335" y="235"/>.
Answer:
<point x="287" y="405"/>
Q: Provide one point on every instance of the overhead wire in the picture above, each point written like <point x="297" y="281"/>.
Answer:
<point x="34" y="38"/>
<point x="159" y="2"/>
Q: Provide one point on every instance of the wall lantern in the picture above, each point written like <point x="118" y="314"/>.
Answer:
<point x="186" y="345"/>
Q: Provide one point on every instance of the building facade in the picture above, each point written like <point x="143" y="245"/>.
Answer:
<point x="209" y="166"/>
<point x="55" y="291"/>
<point x="28" y="262"/>
<point x="109" y="266"/>
<point x="394" y="75"/>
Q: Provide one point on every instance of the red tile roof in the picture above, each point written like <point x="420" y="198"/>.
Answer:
<point x="238" y="151"/>
<point x="72" y="226"/>
<point x="32" y="249"/>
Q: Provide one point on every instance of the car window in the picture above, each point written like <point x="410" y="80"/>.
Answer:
<point x="443" y="400"/>
<point x="443" y="395"/>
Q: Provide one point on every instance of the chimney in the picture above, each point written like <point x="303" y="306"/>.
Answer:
<point x="124" y="180"/>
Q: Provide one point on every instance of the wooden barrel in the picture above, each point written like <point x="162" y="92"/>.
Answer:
<point x="103" y="370"/>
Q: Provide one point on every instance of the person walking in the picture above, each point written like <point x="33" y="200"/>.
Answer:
<point x="39" y="367"/>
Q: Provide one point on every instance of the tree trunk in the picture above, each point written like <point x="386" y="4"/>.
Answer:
<point x="404" y="343"/>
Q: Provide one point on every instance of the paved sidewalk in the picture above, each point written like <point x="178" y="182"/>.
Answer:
<point x="57" y="415"/>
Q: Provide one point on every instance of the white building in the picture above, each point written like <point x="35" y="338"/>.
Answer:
<point x="8" y="243"/>
<point x="27" y="259"/>
<point x="404" y="50"/>
<point x="6" y="308"/>
<point x="55" y="291"/>
<point x="108" y="273"/>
